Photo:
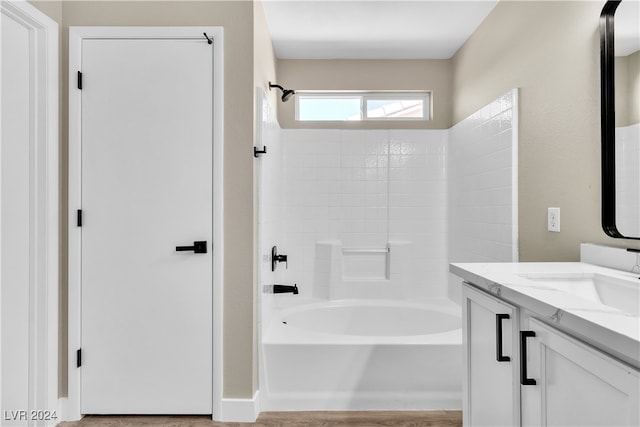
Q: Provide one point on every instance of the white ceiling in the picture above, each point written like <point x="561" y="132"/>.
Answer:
<point x="372" y="29"/>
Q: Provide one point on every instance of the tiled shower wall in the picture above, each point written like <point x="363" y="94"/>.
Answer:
<point x="364" y="189"/>
<point x="451" y="193"/>
<point x="270" y="199"/>
<point x="483" y="171"/>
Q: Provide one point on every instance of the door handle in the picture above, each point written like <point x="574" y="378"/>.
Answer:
<point x="198" y="248"/>
<point x="523" y="358"/>
<point x="499" y="356"/>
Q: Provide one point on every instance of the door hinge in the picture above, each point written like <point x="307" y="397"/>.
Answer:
<point x="80" y="80"/>
<point x="79" y="357"/>
<point x="79" y="219"/>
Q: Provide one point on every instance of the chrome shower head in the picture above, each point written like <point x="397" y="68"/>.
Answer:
<point x="286" y="93"/>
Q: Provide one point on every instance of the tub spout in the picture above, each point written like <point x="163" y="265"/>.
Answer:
<point x="284" y="289"/>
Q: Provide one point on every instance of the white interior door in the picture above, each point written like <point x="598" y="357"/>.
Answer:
<point x="147" y="132"/>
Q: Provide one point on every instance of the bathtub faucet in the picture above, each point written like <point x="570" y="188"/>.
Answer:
<point x="284" y="289"/>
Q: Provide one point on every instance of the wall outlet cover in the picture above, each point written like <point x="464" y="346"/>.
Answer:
<point x="553" y="219"/>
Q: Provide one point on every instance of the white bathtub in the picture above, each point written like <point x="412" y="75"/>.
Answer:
<point x="363" y="355"/>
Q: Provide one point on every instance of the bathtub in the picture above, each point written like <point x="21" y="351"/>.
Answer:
<point x="363" y="355"/>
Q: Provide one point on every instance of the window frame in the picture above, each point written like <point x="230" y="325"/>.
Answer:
<point x="364" y="97"/>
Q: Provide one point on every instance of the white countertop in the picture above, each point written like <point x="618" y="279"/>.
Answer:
<point x="570" y="305"/>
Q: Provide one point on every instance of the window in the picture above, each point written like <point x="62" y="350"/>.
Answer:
<point x="329" y="107"/>
<point x="362" y="106"/>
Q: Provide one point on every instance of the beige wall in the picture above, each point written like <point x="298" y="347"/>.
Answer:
<point x="627" y="95"/>
<point x="633" y="85"/>
<point x="237" y="19"/>
<point x="550" y="50"/>
<point x="342" y="74"/>
<point x="621" y="67"/>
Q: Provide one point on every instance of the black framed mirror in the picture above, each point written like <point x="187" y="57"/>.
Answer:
<point x="620" y="118"/>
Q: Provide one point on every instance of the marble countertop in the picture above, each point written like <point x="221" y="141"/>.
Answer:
<point x="562" y="294"/>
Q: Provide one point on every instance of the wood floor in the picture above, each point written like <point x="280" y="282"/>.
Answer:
<point x="277" y="419"/>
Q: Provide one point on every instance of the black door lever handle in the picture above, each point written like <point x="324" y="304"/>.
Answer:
<point x="198" y="248"/>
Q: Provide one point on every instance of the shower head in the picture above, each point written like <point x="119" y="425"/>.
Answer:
<point x="286" y="93"/>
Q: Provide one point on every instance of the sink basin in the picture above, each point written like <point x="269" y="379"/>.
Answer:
<point x="620" y="293"/>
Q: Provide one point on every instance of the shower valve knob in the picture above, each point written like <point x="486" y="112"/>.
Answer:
<point x="275" y="258"/>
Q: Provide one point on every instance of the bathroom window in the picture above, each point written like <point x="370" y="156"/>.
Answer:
<point x="362" y="106"/>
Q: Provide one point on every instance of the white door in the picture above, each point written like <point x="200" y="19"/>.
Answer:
<point x="147" y="133"/>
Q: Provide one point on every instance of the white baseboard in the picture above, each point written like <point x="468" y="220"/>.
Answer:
<point x="64" y="412"/>
<point x="325" y="401"/>
<point x="239" y="410"/>
<point x="231" y="410"/>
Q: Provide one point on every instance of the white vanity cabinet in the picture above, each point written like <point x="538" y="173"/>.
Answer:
<point x="560" y="382"/>
<point x="575" y="384"/>
<point x="491" y="392"/>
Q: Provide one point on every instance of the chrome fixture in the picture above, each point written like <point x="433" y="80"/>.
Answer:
<point x="286" y="93"/>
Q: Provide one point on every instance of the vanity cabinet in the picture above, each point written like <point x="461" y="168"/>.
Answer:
<point x="561" y="382"/>
<point x="575" y="384"/>
<point x="491" y="393"/>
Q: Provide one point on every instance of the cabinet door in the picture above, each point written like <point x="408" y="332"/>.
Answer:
<point x="490" y="387"/>
<point x="576" y="385"/>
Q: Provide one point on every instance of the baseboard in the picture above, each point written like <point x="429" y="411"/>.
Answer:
<point x="239" y="410"/>
<point x="64" y="412"/>
<point x="362" y="402"/>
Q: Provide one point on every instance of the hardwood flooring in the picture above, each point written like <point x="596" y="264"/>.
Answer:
<point x="285" y="419"/>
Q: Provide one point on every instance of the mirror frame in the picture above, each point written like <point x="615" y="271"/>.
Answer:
<point x="608" y="120"/>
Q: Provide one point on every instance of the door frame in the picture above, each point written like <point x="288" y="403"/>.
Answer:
<point x="76" y="37"/>
<point x="44" y="224"/>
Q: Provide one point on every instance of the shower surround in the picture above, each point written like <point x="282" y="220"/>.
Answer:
<point x="372" y="219"/>
<point x="377" y="200"/>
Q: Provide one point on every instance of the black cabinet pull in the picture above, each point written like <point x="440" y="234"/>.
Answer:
<point x="523" y="358"/>
<point x="198" y="248"/>
<point x="499" y="356"/>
